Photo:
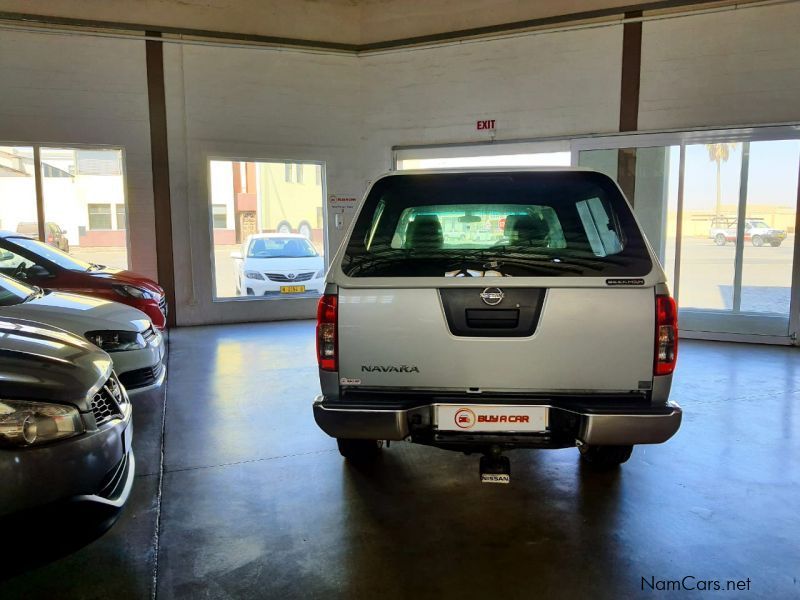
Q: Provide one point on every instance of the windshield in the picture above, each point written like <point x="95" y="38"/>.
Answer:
<point x="547" y="223"/>
<point x="62" y="259"/>
<point x="759" y="224"/>
<point x="280" y="247"/>
<point x="14" y="292"/>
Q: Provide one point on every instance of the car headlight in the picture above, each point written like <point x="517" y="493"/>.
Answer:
<point x="117" y="341"/>
<point x="254" y="275"/>
<point x="24" y="423"/>
<point x="131" y="291"/>
<point x="320" y="273"/>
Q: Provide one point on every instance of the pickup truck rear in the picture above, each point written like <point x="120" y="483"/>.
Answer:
<point x="485" y="311"/>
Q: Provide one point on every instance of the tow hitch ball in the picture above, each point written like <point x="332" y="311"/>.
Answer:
<point x="494" y="467"/>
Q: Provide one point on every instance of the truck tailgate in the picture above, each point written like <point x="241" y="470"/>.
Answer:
<point x="583" y="340"/>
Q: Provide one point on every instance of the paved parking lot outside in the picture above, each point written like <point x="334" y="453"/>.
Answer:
<point x="116" y="258"/>
<point x="706" y="275"/>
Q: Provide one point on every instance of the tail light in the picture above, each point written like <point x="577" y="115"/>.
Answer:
<point x="327" y="344"/>
<point x="50" y="239"/>
<point x="666" y="335"/>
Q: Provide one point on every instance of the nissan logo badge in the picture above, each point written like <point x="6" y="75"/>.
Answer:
<point x="492" y="296"/>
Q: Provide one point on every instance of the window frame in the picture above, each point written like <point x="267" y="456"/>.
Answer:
<point x="89" y="216"/>
<point x="287" y="162"/>
<point x="39" y="184"/>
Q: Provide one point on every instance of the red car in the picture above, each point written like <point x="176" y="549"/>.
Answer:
<point x="39" y="264"/>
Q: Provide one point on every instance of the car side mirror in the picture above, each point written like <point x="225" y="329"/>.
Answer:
<point x="236" y="255"/>
<point x="5" y="255"/>
<point x="37" y="271"/>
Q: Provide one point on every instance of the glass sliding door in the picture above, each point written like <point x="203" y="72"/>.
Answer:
<point x="710" y="204"/>
<point x="720" y="209"/>
<point x="771" y="211"/>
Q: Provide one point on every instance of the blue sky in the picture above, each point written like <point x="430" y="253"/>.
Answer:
<point x="772" y="175"/>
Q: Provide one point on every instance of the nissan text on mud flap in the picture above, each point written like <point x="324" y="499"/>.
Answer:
<point x="484" y="311"/>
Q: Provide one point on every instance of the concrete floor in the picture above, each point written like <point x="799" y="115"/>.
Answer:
<point x="257" y="503"/>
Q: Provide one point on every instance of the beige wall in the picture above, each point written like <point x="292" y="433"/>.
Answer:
<point x="737" y="67"/>
<point x="552" y="84"/>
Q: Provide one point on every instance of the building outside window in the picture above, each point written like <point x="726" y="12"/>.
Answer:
<point x="99" y="216"/>
<point x="220" y="215"/>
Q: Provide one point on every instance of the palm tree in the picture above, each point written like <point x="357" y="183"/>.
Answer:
<point x="719" y="153"/>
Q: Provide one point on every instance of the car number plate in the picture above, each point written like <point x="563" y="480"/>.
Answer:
<point x="293" y="289"/>
<point x="494" y="417"/>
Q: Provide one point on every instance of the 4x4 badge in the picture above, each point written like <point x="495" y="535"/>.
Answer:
<point x="492" y="296"/>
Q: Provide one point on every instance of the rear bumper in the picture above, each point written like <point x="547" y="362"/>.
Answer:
<point x="651" y="424"/>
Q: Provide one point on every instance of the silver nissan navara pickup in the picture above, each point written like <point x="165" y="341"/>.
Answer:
<point x="483" y="311"/>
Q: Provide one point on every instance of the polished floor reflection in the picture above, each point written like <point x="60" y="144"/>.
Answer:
<point x="257" y="503"/>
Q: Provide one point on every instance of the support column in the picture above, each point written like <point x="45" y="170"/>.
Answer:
<point x="159" y="151"/>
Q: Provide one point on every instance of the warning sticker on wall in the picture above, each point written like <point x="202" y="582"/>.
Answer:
<point x="343" y="202"/>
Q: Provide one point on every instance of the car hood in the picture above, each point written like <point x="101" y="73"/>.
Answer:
<point x="79" y="314"/>
<point x="44" y="363"/>
<point x="128" y="278"/>
<point x="284" y="265"/>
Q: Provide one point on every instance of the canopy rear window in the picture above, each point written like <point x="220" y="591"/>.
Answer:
<point x="546" y="223"/>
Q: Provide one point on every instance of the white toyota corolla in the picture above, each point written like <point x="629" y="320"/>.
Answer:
<point x="127" y="334"/>
<point x="278" y="264"/>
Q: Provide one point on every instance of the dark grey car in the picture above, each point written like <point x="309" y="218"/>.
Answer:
<point x="65" y="420"/>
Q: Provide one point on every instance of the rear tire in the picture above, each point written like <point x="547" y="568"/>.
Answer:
<point x="758" y="241"/>
<point x="284" y="227"/>
<point x="775" y="243"/>
<point x="359" y="451"/>
<point x="720" y="240"/>
<point x="605" y="457"/>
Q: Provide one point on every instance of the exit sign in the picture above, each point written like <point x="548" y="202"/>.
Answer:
<point x="487" y="124"/>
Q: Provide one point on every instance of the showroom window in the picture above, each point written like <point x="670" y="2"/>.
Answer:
<point x="268" y="237"/>
<point x="81" y="195"/>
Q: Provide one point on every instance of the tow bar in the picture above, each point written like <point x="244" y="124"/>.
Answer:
<point x="494" y="467"/>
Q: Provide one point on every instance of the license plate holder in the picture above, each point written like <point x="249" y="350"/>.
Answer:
<point x="293" y="289"/>
<point x="487" y="418"/>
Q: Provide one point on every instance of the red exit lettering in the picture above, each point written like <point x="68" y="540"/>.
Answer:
<point x="487" y="124"/>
